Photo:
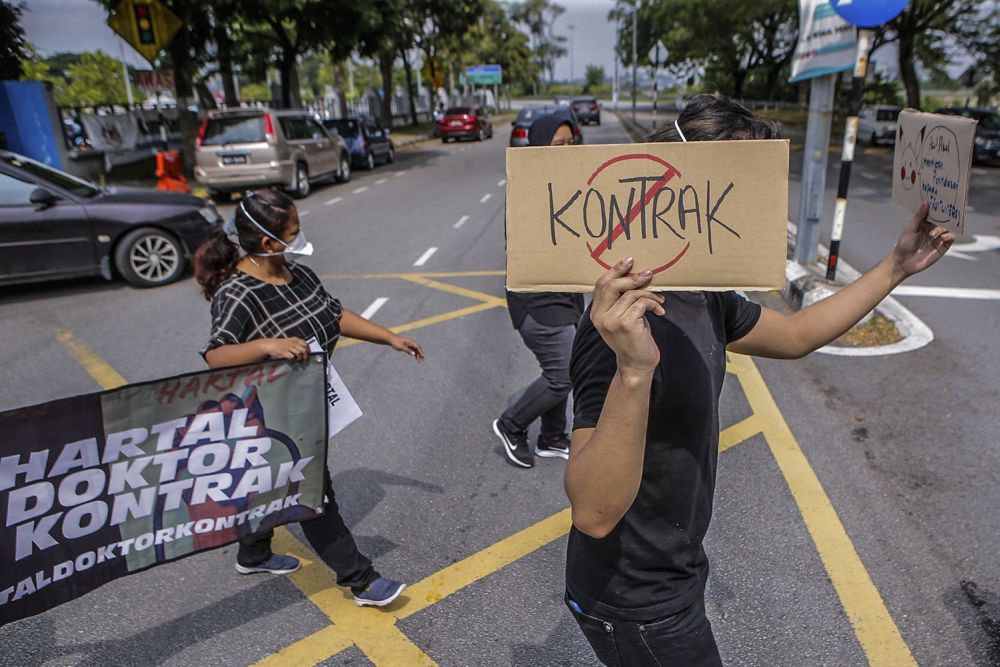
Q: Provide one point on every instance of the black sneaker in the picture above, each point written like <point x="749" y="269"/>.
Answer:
<point x="557" y="446"/>
<point x="515" y="446"/>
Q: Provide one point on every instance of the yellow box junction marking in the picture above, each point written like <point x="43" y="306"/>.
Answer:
<point x="375" y="632"/>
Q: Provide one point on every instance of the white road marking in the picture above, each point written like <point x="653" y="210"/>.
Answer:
<point x="358" y="191"/>
<point x="426" y="256"/>
<point x="374" y="307"/>
<point x="461" y="221"/>
<point x="328" y="202"/>
<point x="948" y="292"/>
<point x="401" y="172"/>
<point x="381" y="181"/>
<point x="502" y="182"/>
<point x="303" y="213"/>
<point x="486" y="198"/>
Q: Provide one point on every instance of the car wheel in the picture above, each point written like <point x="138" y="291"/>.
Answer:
<point x="390" y="157"/>
<point x="344" y="173"/>
<point x="444" y="140"/>
<point x="598" y="121"/>
<point x="370" y="161"/>
<point x="220" y="196"/>
<point x="149" y="257"/>
<point x="874" y="139"/>
<point x="302" y="186"/>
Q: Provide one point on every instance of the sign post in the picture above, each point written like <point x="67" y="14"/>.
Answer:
<point x="657" y="55"/>
<point x="865" y="14"/>
<point x="825" y="48"/>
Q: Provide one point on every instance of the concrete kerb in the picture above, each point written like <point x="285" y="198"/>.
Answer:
<point x="804" y="287"/>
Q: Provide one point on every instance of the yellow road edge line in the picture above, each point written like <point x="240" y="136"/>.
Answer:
<point x="106" y="376"/>
<point x="428" y="321"/>
<point x="483" y="563"/>
<point x="455" y="289"/>
<point x="373" y="631"/>
<point x="873" y="625"/>
<point x="739" y="432"/>
<point x="404" y="276"/>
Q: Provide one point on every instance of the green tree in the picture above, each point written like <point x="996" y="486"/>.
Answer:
<point x="982" y="38"/>
<point x="13" y="47"/>
<point x="96" y="79"/>
<point x="538" y="17"/>
<point x="922" y="33"/>
<point x="593" y="77"/>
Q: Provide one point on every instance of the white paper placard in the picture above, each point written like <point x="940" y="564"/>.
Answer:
<point x="341" y="407"/>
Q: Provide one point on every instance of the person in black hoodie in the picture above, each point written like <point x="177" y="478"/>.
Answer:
<point x="547" y="323"/>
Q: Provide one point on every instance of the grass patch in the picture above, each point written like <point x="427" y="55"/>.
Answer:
<point x="879" y="330"/>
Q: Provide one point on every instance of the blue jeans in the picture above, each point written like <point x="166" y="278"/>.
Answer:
<point x="683" y="639"/>
<point x="547" y="396"/>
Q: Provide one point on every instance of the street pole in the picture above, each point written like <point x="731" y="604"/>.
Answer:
<point x="615" y="82"/>
<point x="128" y="82"/>
<point x="635" y="55"/>
<point x="814" y="161"/>
<point x="571" y="26"/>
<point x="847" y="153"/>
<point x="656" y="79"/>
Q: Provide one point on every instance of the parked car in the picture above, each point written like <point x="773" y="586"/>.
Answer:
<point x="239" y="149"/>
<point x="587" y="110"/>
<point x="366" y="140"/>
<point x="469" y="122"/>
<point x="519" y="128"/>
<point x="55" y="225"/>
<point x="877" y="124"/>
<point x="987" y="146"/>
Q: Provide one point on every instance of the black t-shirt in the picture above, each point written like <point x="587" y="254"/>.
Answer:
<point x="652" y="564"/>
<point x="245" y="308"/>
<point x="554" y="309"/>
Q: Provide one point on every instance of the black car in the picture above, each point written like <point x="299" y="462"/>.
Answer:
<point x="367" y="142"/>
<point x="587" y="109"/>
<point x="55" y="225"/>
<point x="987" y="147"/>
<point x="519" y="128"/>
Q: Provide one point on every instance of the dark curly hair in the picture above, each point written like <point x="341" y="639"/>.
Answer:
<point x="216" y="258"/>
<point x="716" y="118"/>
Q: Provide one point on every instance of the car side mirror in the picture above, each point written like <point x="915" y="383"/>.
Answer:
<point x="42" y="198"/>
<point x="513" y="123"/>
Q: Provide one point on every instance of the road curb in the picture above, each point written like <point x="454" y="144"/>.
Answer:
<point x="802" y="287"/>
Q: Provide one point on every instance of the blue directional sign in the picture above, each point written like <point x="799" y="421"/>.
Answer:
<point x="868" y="13"/>
<point x="485" y="75"/>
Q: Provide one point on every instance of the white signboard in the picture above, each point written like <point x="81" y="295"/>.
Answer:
<point x="827" y="43"/>
<point x="341" y="407"/>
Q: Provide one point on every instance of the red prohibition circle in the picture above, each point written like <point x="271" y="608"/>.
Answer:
<point x="671" y="171"/>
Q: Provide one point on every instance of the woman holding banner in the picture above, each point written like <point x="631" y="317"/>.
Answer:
<point x="265" y="306"/>
<point x="647" y="372"/>
<point x="547" y="324"/>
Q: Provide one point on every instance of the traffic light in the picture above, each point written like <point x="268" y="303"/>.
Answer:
<point x="144" y="23"/>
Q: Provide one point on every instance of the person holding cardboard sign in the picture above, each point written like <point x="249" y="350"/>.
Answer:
<point x="265" y="307"/>
<point x="547" y="324"/>
<point x="647" y="371"/>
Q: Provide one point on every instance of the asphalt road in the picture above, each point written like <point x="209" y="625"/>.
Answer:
<point x="877" y="545"/>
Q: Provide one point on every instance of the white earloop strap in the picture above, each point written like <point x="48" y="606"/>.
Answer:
<point x="678" y="128"/>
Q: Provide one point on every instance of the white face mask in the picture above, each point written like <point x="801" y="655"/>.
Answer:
<point x="297" y="246"/>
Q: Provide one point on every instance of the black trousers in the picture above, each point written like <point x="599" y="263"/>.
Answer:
<point x="330" y="539"/>
<point x="683" y="639"/>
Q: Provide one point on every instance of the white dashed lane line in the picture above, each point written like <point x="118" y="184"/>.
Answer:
<point x="329" y="202"/>
<point x="303" y="213"/>
<point x="370" y="311"/>
<point x="486" y="198"/>
<point x="381" y="181"/>
<point x="400" y="173"/>
<point x="426" y="256"/>
<point x="502" y="182"/>
<point x="461" y="221"/>
<point x="358" y="191"/>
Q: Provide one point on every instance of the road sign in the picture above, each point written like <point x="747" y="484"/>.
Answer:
<point x="483" y="75"/>
<point x="145" y="24"/>
<point x="658" y="54"/>
<point x="868" y="13"/>
<point x="827" y="43"/>
<point x="153" y="80"/>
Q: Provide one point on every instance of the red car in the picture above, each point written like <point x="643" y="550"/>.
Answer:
<point x="470" y="122"/>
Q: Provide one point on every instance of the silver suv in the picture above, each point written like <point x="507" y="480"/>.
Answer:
<point x="246" y="148"/>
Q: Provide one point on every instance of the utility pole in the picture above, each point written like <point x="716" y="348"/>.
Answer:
<point x="815" y="154"/>
<point x="571" y="26"/>
<point x="614" y="81"/>
<point x="635" y="54"/>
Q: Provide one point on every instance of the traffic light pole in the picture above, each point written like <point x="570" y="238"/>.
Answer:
<point x="847" y="153"/>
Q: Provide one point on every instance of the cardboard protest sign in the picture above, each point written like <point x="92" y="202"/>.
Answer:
<point x="97" y="487"/>
<point x="933" y="163"/>
<point x="700" y="215"/>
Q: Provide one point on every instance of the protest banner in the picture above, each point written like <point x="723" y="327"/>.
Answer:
<point x="706" y="215"/>
<point x="96" y="487"/>
<point x="933" y="163"/>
